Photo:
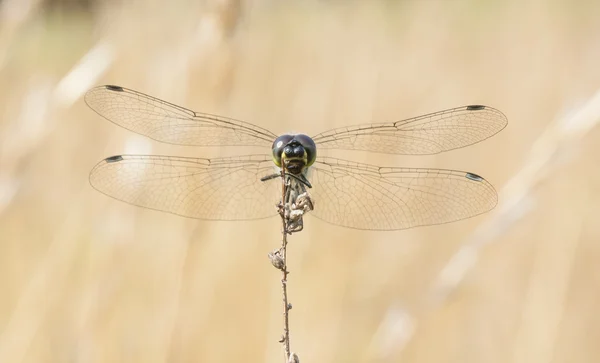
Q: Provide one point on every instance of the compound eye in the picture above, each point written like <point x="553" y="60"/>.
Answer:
<point x="277" y="148"/>
<point x="309" y="146"/>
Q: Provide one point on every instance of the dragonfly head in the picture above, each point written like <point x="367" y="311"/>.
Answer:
<point x="294" y="152"/>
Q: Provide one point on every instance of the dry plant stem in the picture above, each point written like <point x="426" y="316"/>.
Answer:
<point x="286" y="329"/>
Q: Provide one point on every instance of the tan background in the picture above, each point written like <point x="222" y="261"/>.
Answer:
<point x="84" y="278"/>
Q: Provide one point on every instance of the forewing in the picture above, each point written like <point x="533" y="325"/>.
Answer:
<point x="368" y="197"/>
<point x="212" y="189"/>
<point x="169" y="123"/>
<point x="423" y="135"/>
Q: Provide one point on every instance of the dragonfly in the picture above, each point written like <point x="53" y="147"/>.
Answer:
<point x="340" y="192"/>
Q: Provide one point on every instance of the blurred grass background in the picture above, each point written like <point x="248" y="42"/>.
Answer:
<point x="84" y="278"/>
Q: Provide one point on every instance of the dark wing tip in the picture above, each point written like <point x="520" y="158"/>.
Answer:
<point x="114" y="159"/>
<point x="474" y="177"/>
<point x="111" y="87"/>
<point x="475" y="107"/>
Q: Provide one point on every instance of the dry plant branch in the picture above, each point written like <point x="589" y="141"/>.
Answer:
<point x="284" y="272"/>
<point x="279" y="259"/>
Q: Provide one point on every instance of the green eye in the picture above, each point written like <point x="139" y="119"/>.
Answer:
<point x="277" y="148"/>
<point x="309" y="146"/>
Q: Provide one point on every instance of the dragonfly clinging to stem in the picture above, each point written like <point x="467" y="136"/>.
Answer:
<point x="345" y="193"/>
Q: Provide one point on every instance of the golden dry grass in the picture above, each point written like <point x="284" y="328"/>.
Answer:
<point x="85" y="278"/>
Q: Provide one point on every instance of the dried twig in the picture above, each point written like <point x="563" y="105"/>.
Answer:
<point x="278" y="259"/>
<point x="284" y="271"/>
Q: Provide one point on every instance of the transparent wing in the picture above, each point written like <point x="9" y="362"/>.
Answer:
<point x="213" y="189"/>
<point x="423" y="135"/>
<point x="364" y="196"/>
<point x="166" y="122"/>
